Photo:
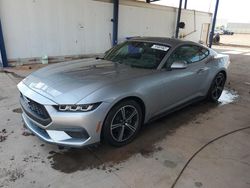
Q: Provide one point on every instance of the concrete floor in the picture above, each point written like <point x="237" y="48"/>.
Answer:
<point x="154" y="159"/>
<point x="236" y="39"/>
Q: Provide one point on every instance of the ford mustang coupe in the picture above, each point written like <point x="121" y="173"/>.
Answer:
<point x="108" y="99"/>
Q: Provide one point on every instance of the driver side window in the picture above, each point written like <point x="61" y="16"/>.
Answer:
<point x="188" y="53"/>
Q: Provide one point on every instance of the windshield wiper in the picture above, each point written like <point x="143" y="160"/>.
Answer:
<point x="100" y="58"/>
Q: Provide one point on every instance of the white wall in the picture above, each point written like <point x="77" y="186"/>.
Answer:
<point x="239" y="27"/>
<point x="194" y="21"/>
<point x="145" y="21"/>
<point x="33" y="28"/>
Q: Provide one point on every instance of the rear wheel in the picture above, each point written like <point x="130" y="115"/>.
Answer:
<point x="217" y="87"/>
<point x="122" y="124"/>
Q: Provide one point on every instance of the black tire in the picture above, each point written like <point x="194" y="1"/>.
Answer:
<point x="216" y="87"/>
<point x="117" y="123"/>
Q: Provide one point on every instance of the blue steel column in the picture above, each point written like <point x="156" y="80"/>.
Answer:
<point x="178" y="20"/>
<point x="2" y="48"/>
<point x="185" y="5"/>
<point x="115" y="21"/>
<point x="213" y="24"/>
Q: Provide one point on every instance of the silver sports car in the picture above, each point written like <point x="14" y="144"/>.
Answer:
<point x="108" y="99"/>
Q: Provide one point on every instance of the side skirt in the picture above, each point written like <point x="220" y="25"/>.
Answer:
<point x="193" y="101"/>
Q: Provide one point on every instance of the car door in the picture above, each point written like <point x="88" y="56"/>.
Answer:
<point x="182" y="85"/>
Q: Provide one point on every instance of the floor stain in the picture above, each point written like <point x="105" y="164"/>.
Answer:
<point x="170" y="164"/>
<point x="72" y="160"/>
<point x="8" y="176"/>
<point x="17" y="110"/>
<point x="3" y="138"/>
<point x="2" y="98"/>
<point x="147" y="152"/>
<point x="26" y="132"/>
<point x="4" y="131"/>
<point x="3" y="135"/>
<point x="32" y="158"/>
<point x="198" y="184"/>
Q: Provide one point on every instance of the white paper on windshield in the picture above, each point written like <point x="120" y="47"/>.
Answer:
<point x="160" y="47"/>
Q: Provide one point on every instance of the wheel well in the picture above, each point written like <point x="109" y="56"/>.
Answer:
<point x="224" y="72"/>
<point x="139" y="101"/>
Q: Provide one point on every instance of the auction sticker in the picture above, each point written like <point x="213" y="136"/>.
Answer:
<point x="160" y="47"/>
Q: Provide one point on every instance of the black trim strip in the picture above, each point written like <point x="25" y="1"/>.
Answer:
<point x="179" y="107"/>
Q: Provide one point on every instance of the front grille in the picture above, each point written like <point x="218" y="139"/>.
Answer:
<point x="35" y="110"/>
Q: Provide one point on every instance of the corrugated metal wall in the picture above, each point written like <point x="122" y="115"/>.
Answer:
<point x="33" y="28"/>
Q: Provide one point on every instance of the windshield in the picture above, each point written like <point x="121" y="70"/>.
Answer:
<point x="138" y="54"/>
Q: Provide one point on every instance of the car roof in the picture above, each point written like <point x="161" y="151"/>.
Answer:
<point x="163" y="40"/>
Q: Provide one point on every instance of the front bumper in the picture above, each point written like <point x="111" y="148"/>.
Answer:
<point x="72" y="129"/>
<point x="59" y="137"/>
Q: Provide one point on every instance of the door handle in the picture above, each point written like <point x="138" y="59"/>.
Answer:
<point x="201" y="70"/>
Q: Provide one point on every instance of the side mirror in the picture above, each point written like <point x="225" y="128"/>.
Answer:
<point x="179" y="65"/>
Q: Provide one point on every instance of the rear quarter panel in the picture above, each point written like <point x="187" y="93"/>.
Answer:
<point x="217" y="63"/>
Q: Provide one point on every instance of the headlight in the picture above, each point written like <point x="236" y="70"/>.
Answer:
<point x="77" y="108"/>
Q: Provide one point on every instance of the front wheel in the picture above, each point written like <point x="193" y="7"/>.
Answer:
<point x="217" y="87"/>
<point x="122" y="124"/>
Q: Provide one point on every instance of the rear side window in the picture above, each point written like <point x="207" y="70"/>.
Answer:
<point x="203" y="53"/>
<point x="188" y="53"/>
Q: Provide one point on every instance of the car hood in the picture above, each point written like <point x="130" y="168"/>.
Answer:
<point x="70" y="82"/>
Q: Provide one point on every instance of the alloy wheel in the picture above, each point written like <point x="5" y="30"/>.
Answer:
<point x="218" y="86"/>
<point x="124" y="123"/>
